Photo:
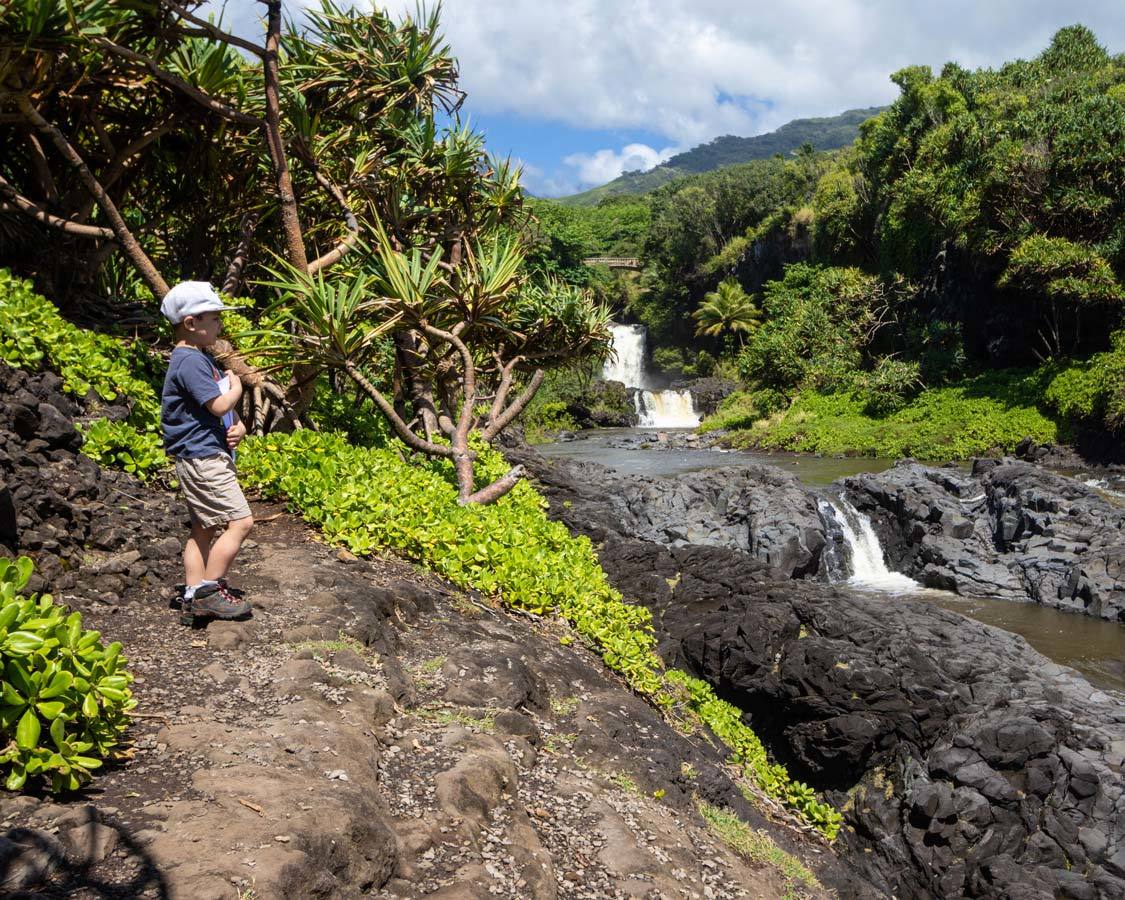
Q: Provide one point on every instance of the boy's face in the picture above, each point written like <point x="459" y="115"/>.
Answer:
<point x="202" y="330"/>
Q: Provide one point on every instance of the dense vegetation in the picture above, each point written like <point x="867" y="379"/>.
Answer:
<point x="828" y="133"/>
<point x="64" y="697"/>
<point x="973" y="238"/>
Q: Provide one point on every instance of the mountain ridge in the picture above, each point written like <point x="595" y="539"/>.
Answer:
<point x="823" y="133"/>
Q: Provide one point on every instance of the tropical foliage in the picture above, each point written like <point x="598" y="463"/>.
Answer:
<point x="727" y="309"/>
<point x="64" y="697"/>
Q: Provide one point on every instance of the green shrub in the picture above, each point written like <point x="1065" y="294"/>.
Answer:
<point x="890" y="386"/>
<point x="119" y="444"/>
<point x="1092" y="391"/>
<point x="818" y="319"/>
<point x="1062" y="270"/>
<point x="64" y="698"/>
<point x="743" y="408"/>
<point x="668" y="359"/>
<point x="369" y="499"/>
<point x="978" y="415"/>
<point x="33" y="336"/>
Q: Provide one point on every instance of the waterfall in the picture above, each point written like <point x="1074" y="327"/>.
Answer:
<point x="665" y="409"/>
<point x="655" y="409"/>
<point x="865" y="566"/>
<point x="627" y="362"/>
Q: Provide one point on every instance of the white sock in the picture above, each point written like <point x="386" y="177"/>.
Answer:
<point x="189" y="591"/>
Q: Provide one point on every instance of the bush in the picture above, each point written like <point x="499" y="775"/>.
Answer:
<point x="890" y="386"/>
<point x="1090" y="392"/>
<point x="976" y="416"/>
<point x="34" y="336"/>
<point x="743" y="408"/>
<point x="818" y="320"/>
<point x="668" y="359"/>
<point x="369" y="499"/>
<point x="64" y="697"/>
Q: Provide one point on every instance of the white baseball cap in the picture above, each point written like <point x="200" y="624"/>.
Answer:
<point x="191" y="298"/>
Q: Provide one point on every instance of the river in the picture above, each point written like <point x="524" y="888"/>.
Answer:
<point x="1094" y="647"/>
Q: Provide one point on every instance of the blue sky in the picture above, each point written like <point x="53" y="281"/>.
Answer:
<point x="580" y="90"/>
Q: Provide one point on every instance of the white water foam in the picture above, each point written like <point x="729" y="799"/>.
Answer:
<point x="868" y="569"/>
<point x="666" y="409"/>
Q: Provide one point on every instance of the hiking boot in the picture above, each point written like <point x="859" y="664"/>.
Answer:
<point x="212" y="602"/>
<point x="237" y="593"/>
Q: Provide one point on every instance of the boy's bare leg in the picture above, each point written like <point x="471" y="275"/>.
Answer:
<point x="196" y="552"/>
<point x="226" y="547"/>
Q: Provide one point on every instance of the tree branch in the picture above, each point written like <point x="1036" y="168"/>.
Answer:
<point x="349" y="240"/>
<point x="38" y="211"/>
<point x="42" y="168"/>
<point x="468" y="377"/>
<point x="133" y="250"/>
<point x="404" y="433"/>
<point x="505" y="419"/>
<point x="290" y="220"/>
<point x="178" y="84"/>
<point x="214" y="31"/>
<point x="233" y="280"/>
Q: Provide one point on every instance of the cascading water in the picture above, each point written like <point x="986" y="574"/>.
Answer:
<point x="655" y="409"/>
<point x="864" y="563"/>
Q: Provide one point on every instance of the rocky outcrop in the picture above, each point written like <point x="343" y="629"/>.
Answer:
<point x="707" y="393"/>
<point x="1006" y="529"/>
<point x="966" y="764"/>
<point x="82" y="525"/>
<point x="603" y="404"/>
<point x="758" y="510"/>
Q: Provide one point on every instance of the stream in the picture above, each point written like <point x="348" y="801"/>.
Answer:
<point x="1094" y="648"/>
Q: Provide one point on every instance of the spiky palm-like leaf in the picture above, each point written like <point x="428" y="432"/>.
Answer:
<point x="727" y="308"/>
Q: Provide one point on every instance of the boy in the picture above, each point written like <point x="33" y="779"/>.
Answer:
<point x="201" y="430"/>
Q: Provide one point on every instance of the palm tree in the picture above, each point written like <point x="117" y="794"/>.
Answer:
<point x="728" y="308"/>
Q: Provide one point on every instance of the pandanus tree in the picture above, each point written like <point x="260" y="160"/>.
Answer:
<point x="479" y="336"/>
<point x="136" y="133"/>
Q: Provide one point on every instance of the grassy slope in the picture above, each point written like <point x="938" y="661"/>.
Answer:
<point x="827" y="133"/>
<point x="987" y="413"/>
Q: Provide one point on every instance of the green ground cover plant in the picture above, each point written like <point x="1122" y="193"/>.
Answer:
<point x="757" y="846"/>
<point x="369" y="499"/>
<point x="978" y="415"/>
<point x="33" y="336"/>
<point x="64" y="698"/>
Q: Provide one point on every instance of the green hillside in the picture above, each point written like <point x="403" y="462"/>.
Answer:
<point x="824" y="134"/>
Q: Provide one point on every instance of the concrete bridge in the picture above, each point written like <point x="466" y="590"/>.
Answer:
<point x="614" y="262"/>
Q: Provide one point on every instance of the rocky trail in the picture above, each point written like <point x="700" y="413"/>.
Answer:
<point x="370" y="732"/>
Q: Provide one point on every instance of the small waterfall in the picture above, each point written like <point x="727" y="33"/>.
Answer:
<point x="864" y="564"/>
<point x="655" y="409"/>
<point x="665" y="409"/>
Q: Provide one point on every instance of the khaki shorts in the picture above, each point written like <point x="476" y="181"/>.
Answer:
<point x="210" y="489"/>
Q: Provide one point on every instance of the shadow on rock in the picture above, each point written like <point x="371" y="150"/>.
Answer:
<point x="36" y="864"/>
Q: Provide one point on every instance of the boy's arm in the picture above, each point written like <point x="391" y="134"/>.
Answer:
<point x="225" y="402"/>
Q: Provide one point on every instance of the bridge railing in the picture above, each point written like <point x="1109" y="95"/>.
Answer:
<point x="614" y="262"/>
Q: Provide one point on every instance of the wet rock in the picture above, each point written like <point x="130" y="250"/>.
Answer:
<point x="965" y="762"/>
<point x="1009" y="529"/>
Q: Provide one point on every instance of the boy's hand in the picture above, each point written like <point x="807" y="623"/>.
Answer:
<point x="235" y="434"/>
<point x="235" y="382"/>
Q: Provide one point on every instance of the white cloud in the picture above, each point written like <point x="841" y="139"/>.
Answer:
<point x="605" y="165"/>
<point x="690" y="70"/>
<point x="671" y="67"/>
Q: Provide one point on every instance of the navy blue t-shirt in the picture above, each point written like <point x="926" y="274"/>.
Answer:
<point x="190" y="429"/>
